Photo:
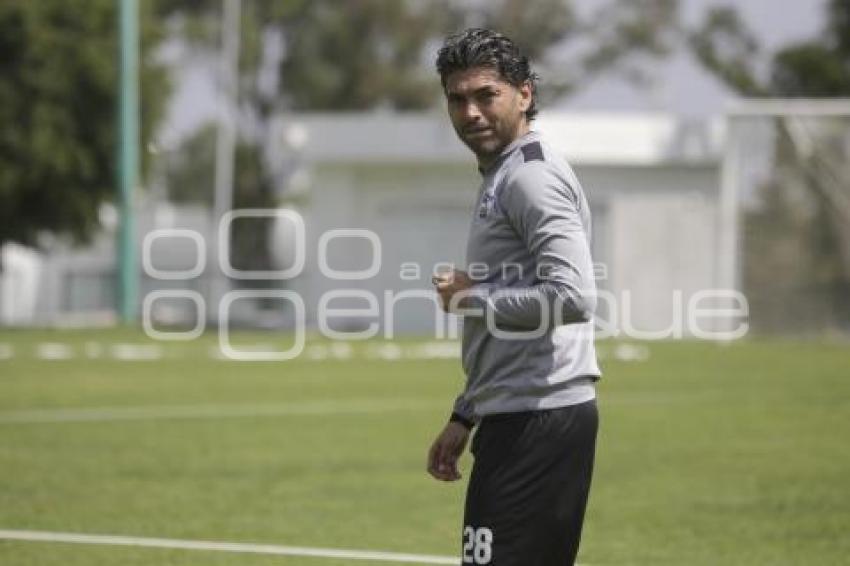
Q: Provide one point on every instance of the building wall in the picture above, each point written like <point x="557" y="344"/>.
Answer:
<point x="657" y="238"/>
<point x="20" y="270"/>
<point x="420" y="216"/>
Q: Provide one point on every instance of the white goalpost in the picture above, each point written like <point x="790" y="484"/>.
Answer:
<point x="784" y="211"/>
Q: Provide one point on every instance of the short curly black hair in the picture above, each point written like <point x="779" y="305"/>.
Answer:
<point x="480" y="47"/>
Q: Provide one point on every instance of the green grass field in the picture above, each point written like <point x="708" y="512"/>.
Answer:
<point x="708" y="454"/>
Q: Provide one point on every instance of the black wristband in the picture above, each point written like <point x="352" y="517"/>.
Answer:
<point x="458" y="418"/>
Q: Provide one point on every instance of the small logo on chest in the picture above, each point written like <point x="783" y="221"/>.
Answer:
<point x="486" y="205"/>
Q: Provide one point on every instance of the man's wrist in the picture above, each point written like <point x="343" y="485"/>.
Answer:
<point x="462" y="420"/>
<point x="473" y="301"/>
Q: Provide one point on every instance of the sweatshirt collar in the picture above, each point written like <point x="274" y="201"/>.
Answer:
<point x="529" y="136"/>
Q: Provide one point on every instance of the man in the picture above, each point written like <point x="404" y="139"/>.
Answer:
<point x="527" y="300"/>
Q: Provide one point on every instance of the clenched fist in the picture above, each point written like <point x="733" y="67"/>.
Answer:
<point x="449" y="284"/>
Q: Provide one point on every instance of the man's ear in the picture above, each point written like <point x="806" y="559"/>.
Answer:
<point x="525" y="95"/>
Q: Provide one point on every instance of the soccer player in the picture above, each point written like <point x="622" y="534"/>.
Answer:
<point x="527" y="298"/>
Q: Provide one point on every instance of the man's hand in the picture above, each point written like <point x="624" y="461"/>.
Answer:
<point x="448" y="284"/>
<point x="446" y="450"/>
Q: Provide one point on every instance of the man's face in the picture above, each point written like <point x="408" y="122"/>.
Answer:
<point x="487" y="112"/>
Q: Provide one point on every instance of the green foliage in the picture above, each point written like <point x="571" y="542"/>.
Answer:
<point x="361" y="54"/>
<point x="812" y="70"/>
<point x="374" y="53"/>
<point x="624" y="29"/>
<point x="250" y="240"/>
<point x="58" y="89"/>
<point x="364" y="54"/>
<point x="838" y="23"/>
<point x="816" y="68"/>
<point x="537" y="27"/>
<point x="728" y="48"/>
<point x="191" y="179"/>
<point x="191" y="170"/>
<point x="534" y="26"/>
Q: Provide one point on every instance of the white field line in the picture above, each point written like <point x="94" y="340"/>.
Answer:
<point x="46" y="536"/>
<point x="164" y="412"/>
<point x="386" y="350"/>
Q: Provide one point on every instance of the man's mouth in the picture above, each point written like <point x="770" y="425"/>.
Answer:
<point x="477" y="132"/>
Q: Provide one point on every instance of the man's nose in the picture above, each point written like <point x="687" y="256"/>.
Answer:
<point x="470" y="112"/>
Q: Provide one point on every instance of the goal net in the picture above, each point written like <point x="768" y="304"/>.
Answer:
<point x="785" y="219"/>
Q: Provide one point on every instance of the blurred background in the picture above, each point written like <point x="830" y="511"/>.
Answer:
<point x="706" y="135"/>
<point x="711" y="137"/>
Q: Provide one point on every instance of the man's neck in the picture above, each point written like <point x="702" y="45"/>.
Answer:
<point x="487" y="161"/>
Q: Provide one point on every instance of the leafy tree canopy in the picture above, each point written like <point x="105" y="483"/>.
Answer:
<point x="58" y="77"/>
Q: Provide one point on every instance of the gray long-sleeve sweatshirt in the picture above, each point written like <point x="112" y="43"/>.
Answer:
<point x="527" y="326"/>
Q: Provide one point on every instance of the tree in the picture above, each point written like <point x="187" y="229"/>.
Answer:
<point x="628" y="35"/>
<point x="360" y="54"/>
<point x="377" y="53"/>
<point x="728" y="49"/>
<point x="365" y="54"/>
<point x="58" y="77"/>
<point x="815" y="68"/>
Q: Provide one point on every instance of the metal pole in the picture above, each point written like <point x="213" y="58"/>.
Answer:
<point x="728" y="254"/>
<point x="128" y="159"/>
<point x="226" y="140"/>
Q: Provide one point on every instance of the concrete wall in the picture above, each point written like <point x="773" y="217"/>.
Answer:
<point x="657" y="234"/>
<point x="419" y="213"/>
<point x="20" y="270"/>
